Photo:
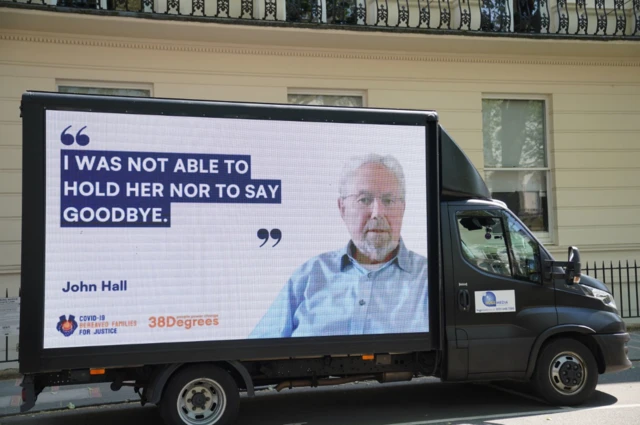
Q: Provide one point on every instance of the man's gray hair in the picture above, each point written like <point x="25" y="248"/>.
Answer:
<point x="355" y="162"/>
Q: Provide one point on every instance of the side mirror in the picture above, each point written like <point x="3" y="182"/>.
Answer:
<point x="573" y="270"/>
<point x="572" y="267"/>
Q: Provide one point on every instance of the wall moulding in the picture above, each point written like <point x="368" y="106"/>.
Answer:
<point x="316" y="53"/>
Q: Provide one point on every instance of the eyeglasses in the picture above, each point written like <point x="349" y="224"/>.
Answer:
<point x="365" y="200"/>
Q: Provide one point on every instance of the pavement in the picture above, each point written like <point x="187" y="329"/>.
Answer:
<point x="74" y="396"/>
<point x="62" y="398"/>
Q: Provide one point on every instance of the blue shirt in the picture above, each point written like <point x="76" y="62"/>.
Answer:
<point x="331" y="294"/>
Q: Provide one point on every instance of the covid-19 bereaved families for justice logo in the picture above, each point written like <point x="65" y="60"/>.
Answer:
<point x="67" y="326"/>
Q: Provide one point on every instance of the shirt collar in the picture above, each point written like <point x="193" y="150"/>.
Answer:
<point x="401" y="258"/>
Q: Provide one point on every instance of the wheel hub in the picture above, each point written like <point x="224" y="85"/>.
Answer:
<point x="199" y="399"/>
<point x="571" y="373"/>
<point x="568" y="373"/>
<point x="202" y="402"/>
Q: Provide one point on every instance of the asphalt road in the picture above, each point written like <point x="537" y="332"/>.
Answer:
<point x="421" y="402"/>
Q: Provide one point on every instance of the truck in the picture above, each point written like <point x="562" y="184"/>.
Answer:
<point x="195" y="250"/>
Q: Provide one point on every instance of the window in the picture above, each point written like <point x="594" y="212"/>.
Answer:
<point x="124" y="5"/>
<point x="483" y="242"/>
<point x="526" y="252"/>
<point x="328" y="98"/>
<point x="506" y="251"/>
<point x="99" y="88"/>
<point x="515" y="157"/>
<point x="527" y="15"/>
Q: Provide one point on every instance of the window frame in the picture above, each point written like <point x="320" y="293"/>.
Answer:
<point x="548" y="237"/>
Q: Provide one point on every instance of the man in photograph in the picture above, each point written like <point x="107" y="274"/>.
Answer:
<point x="374" y="284"/>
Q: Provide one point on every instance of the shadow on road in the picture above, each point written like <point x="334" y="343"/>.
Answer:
<point x="599" y="399"/>
<point x="421" y="401"/>
<point x="382" y="405"/>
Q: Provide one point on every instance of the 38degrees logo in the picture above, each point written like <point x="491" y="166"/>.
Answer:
<point x="68" y="139"/>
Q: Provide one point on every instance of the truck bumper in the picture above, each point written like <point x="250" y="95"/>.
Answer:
<point x="614" y="351"/>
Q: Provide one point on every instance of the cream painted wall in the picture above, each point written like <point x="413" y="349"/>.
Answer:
<point x="594" y="113"/>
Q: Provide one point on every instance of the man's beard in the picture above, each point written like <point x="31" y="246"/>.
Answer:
<point x="376" y="245"/>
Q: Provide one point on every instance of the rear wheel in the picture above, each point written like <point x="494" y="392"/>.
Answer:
<point x="200" y="395"/>
<point x="566" y="373"/>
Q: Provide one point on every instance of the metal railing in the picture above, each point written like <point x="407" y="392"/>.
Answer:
<point x="622" y="281"/>
<point x="8" y="340"/>
<point x="581" y="18"/>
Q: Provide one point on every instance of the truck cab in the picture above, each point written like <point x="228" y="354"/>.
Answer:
<point x="511" y="310"/>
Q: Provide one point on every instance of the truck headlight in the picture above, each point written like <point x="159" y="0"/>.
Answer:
<point x="603" y="296"/>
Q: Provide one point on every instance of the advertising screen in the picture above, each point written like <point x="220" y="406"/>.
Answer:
<point x="177" y="229"/>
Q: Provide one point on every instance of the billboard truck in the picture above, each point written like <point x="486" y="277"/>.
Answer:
<point x="194" y="250"/>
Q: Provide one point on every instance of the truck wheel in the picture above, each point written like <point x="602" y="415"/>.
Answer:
<point x="566" y="373"/>
<point x="200" y="395"/>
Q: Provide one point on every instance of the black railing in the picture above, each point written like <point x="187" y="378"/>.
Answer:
<point x="616" y="18"/>
<point x="622" y="281"/>
<point x="8" y="339"/>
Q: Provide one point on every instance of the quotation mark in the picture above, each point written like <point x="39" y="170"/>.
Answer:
<point x="68" y="139"/>
<point x="263" y="235"/>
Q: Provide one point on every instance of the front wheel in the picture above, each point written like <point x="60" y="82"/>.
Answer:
<point x="566" y="373"/>
<point x="200" y="395"/>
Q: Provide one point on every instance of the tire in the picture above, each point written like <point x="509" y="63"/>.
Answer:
<point x="566" y="373"/>
<point x="200" y="395"/>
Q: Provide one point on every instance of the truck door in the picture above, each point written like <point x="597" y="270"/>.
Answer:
<point x="502" y="303"/>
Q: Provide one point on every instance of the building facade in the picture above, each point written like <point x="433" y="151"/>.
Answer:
<point x="542" y="95"/>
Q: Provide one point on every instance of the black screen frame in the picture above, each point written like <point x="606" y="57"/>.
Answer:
<point x="35" y="359"/>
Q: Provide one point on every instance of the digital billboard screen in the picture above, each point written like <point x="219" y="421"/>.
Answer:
<point x="179" y="228"/>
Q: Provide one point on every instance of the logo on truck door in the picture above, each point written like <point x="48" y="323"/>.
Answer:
<point x="495" y="301"/>
<point x="489" y="299"/>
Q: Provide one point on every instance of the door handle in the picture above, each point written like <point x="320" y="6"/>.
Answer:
<point x="463" y="299"/>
